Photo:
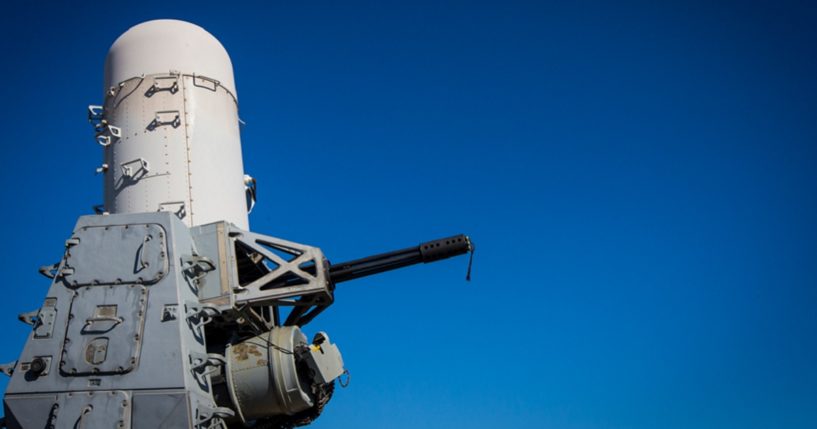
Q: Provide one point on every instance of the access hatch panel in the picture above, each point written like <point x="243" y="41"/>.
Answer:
<point x="116" y="254"/>
<point x="104" y="333"/>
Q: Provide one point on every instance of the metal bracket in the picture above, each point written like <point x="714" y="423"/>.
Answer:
<point x="29" y="318"/>
<point x="8" y="368"/>
<point x="205" y="82"/>
<point x="54" y="270"/>
<point x="210" y="416"/>
<point x="250" y="186"/>
<point x="166" y="117"/>
<point x="163" y="83"/>
<point x="91" y="320"/>
<point x="45" y="317"/>
<point x="180" y="211"/>
<point x="294" y="270"/>
<point x="199" y="363"/>
<point x="196" y="267"/>
<point x="107" y="133"/>
<point x="49" y="271"/>
<point x="169" y="312"/>
<point x="198" y="314"/>
<point x="95" y="114"/>
<point x="131" y="173"/>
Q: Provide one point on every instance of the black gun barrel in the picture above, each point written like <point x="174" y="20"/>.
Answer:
<point x="429" y="251"/>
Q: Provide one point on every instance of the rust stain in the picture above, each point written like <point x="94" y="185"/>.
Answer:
<point x="240" y="352"/>
<point x="243" y="351"/>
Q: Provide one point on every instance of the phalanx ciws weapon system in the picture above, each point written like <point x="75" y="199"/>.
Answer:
<point x="165" y="311"/>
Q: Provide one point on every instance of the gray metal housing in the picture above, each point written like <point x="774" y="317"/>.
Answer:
<point x="145" y="323"/>
<point x="113" y="328"/>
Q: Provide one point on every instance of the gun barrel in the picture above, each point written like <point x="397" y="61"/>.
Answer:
<point x="429" y="251"/>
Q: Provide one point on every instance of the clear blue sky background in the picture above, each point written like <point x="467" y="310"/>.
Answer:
<point x="640" y="180"/>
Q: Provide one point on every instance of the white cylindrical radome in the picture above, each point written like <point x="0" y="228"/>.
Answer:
<point x="170" y="127"/>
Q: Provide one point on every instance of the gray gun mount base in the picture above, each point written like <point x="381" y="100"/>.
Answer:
<point x="150" y="324"/>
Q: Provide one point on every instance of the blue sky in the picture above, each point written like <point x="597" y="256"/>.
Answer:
<point x="639" y="179"/>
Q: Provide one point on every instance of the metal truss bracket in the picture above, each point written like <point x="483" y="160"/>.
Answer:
<point x="293" y="270"/>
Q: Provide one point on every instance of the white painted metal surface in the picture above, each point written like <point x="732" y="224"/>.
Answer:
<point x="163" y="45"/>
<point x="170" y="132"/>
